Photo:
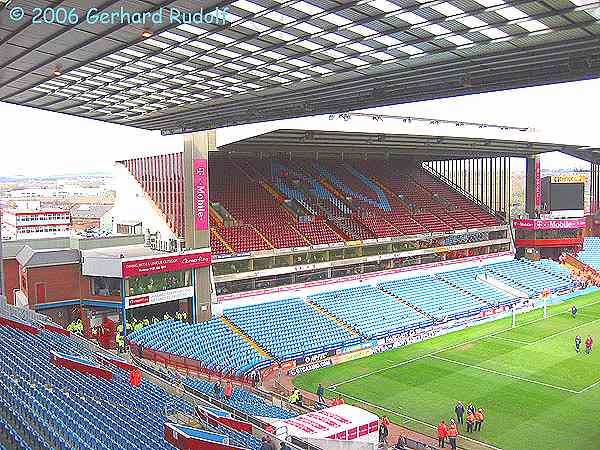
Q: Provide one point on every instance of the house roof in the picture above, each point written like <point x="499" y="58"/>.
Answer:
<point x="29" y="257"/>
<point x="89" y="211"/>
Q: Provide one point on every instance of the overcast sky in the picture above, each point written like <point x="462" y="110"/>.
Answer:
<point x="35" y="142"/>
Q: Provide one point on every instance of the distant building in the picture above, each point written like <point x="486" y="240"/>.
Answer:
<point x="91" y="216"/>
<point x="37" y="223"/>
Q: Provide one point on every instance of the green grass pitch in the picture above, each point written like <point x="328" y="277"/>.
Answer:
<point x="538" y="393"/>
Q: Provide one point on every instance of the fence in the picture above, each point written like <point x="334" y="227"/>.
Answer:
<point x="188" y="365"/>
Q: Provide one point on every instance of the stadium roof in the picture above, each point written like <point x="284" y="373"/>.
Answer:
<point x="307" y="143"/>
<point x="289" y="58"/>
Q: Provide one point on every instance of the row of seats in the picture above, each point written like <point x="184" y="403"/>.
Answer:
<point x="292" y="327"/>
<point x="590" y="254"/>
<point x="529" y="277"/>
<point x="295" y="327"/>
<point x="57" y="408"/>
<point x="398" y="199"/>
<point x="212" y="342"/>
<point x="242" y="400"/>
<point x="383" y="315"/>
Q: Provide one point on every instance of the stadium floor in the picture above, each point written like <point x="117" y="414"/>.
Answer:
<point x="537" y="392"/>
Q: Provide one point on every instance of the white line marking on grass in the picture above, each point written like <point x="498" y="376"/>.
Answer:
<point x="510" y="340"/>
<point x="413" y="419"/>
<point x="563" y="332"/>
<point x="383" y="369"/>
<point x="572" y="391"/>
<point x="589" y="387"/>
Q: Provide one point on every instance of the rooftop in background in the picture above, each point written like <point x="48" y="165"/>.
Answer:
<point x="289" y="59"/>
<point x="89" y="211"/>
<point x="128" y="251"/>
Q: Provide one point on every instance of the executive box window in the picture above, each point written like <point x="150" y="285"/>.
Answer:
<point x="158" y="282"/>
<point x="106" y="287"/>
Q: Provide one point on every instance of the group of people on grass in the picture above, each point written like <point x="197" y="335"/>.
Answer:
<point x="474" y="419"/>
<point x="588" y="342"/>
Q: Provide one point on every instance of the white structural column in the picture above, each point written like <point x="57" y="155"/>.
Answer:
<point x="196" y="206"/>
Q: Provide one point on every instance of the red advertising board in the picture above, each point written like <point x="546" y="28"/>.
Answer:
<point x="549" y="224"/>
<point x="201" y="193"/>
<point x="149" y="266"/>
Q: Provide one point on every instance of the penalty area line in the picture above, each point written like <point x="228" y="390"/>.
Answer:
<point x="418" y="358"/>
<point x="495" y="372"/>
<point x="411" y="419"/>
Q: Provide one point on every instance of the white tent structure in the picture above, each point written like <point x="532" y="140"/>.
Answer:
<point x="341" y="427"/>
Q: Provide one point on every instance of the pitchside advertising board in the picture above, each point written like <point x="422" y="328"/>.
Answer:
<point x="364" y="349"/>
<point x="159" y="297"/>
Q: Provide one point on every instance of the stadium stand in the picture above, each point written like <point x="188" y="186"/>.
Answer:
<point x="294" y="327"/>
<point x="590" y="254"/>
<point x="467" y="279"/>
<point x="242" y="400"/>
<point x="212" y="342"/>
<point x="331" y="201"/>
<point x="383" y="316"/>
<point x="328" y="320"/>
<point x="529" y="277"/>
<point x="45" y="406"/>
<point x="435" y="297"/>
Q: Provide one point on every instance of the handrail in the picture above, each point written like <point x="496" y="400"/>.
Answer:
<point x="185" y="364"/>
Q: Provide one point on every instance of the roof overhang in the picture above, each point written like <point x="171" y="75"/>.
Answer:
<point x="288" y="58"/>
<point x="298" y="143"/>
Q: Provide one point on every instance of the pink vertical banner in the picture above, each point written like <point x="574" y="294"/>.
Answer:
<point x="538" y="184"/>
<point x="201" y="193"/>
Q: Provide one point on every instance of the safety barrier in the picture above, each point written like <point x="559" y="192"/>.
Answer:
<point x="188" y="365"/>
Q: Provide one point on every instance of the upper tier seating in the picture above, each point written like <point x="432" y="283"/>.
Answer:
<point x="590" y="253"/>
<point x="358" y="199"/>
<point x="211" y="342"/>
<point x="242" y="400"/>
<point x="527" y="277"/>
<point x="294" y="328"/>
<point x="434" y="296"/>
<point x="384" y="314"/>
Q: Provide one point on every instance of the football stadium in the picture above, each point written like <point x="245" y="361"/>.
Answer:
<point x="359" y="281"/>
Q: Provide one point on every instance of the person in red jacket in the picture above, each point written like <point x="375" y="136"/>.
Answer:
<point x="442" y="431"/>
<point x="479" y="418"/>
<point x="452" y="435"/>
<point x="228" y="390"/>
<point x="588" y="344"/>
<point x="470" y="421"/>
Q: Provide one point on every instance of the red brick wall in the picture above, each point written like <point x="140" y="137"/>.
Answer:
<point x="11" y="279"/>
<point x="62" y="282"/>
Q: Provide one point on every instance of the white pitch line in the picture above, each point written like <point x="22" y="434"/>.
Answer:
<point x="510" y="340"/>
<point x="572" y="391"/>
<point x="383" y="369"/>
<point x="563" y="332"/>
<point x="410" y="418"/>
<point x="589" y="387"/>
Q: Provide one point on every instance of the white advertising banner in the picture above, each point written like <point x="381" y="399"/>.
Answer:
<point x="159" y="297"/>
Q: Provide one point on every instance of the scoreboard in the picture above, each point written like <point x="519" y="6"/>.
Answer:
<point x="563" y="193"/>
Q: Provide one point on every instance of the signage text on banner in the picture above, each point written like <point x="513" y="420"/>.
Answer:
<point x="201" y="193"/>
<point x="160" y="264"/>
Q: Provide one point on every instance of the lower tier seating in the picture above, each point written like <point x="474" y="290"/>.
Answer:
<point x="212" y="342"/>
<point x="242" y="400"/>
<point x="383" y="315"/>
<point x="294" y="328"/>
